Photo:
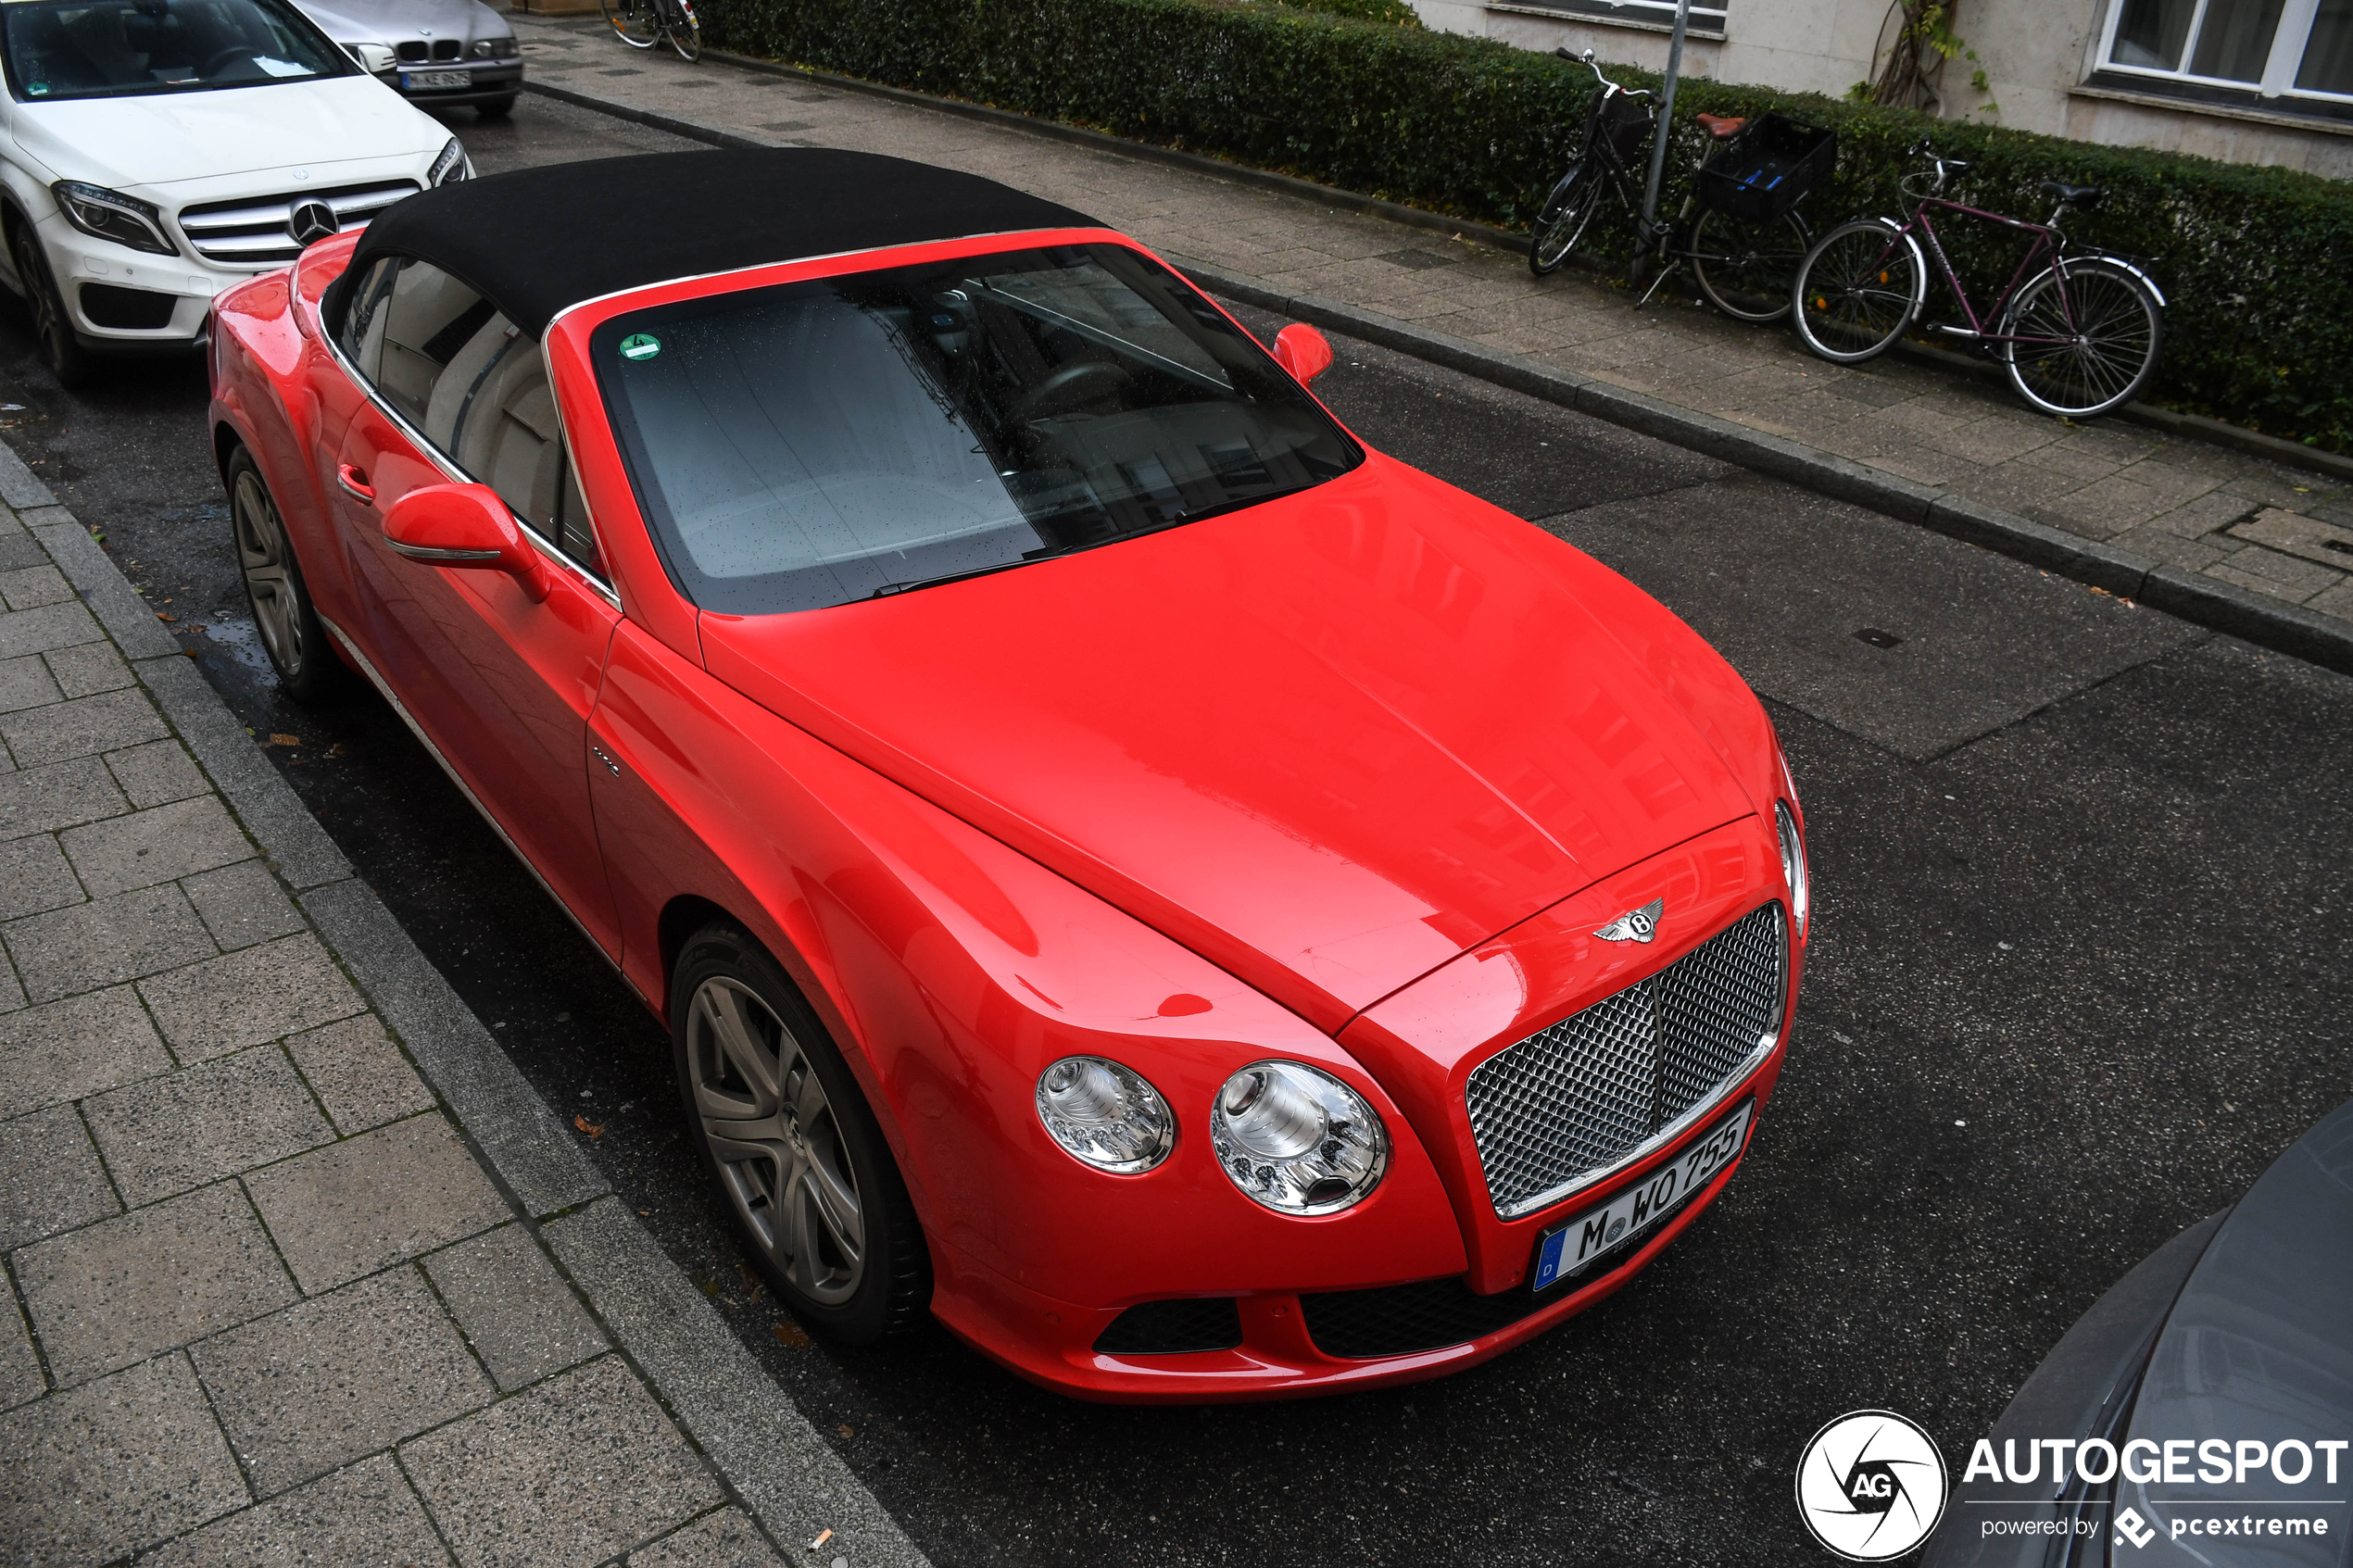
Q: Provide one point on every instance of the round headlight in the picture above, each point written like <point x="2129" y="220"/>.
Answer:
<point x="1105" y="1115"/>
<point x="1297" y="1139"/>
<point x="1793" y="861"/>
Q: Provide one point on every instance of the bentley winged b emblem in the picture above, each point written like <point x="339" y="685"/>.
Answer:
<point x="1635" y="925"/>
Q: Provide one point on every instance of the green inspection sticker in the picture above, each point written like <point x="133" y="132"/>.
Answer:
<point x="640" y="345"/>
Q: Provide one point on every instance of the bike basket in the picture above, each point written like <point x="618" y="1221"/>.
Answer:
<point x="1767" y="169"/>
<point x="1626" y="124"/>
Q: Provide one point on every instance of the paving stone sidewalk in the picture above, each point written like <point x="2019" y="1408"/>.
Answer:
<point x="262" y="1304"/>
<point x="2276" y="531"/>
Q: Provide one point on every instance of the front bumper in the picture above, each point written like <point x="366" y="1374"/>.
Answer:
<point x="495" y="83"/>
<point x="126" y="285"/>
<point x="1283" y="1352"/>
<point x="1289" y="1325"/>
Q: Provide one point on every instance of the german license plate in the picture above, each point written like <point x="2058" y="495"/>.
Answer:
<point x="1570" y="1249"/>
<point x="429" y="79"/>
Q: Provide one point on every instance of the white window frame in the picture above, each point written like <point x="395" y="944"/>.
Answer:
<point x="1651" y="15"/>
<point x="2296" y="20"/>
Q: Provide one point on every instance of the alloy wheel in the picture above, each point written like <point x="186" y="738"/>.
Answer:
<point x="265" y="557"/>
<point x="773" y="1135"/>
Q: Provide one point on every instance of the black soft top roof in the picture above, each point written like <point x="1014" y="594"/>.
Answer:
<point x="538" y="240"/>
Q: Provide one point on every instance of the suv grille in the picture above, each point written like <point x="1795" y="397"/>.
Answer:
<point x="1601" y="1085"/>
<point x="252" y="232"/>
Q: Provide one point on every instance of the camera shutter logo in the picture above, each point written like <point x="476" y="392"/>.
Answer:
<point x="1870" y="1486"/>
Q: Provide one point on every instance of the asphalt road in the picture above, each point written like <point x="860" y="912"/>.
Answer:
<point x="2081" y="873"/>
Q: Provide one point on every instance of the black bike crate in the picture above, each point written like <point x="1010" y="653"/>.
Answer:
<point x="1766" y="169"/>
<point x="1626" y="121"/>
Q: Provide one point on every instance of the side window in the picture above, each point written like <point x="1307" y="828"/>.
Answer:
<point x="456" y="367"/>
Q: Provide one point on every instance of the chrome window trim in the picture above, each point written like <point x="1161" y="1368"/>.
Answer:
<point x="457" y="475"/>
<point x="830" y="256"/>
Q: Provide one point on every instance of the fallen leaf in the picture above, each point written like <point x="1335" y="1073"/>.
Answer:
<point x="337" y="749"/>
<point x="277" y="740"/>
<point x="791" y="1335"/>
<point x="594" y="1129"/>
<point x="845" y="1430"/>
<point x="753" y="1285"/>
<point x="160" y="616"/>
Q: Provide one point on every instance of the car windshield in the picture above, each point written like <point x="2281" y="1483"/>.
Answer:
<point x="810" y="443"/>
<point x="121" y="48"/>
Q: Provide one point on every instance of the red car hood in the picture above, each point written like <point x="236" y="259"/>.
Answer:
<point x="1328" y="743"/>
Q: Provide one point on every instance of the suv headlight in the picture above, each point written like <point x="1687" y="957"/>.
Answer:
<point x="451" y="166"/>
<point x="1105" y="1115"/>
<point x="1297" y="1139"/>
<point x="1793" y="861"/>
<point x="111" y="215"/>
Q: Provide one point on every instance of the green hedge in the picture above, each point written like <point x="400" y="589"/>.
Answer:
<point x="2254" y="261"/>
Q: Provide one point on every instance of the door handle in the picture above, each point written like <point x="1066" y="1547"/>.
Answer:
<point x="355" y="482"/>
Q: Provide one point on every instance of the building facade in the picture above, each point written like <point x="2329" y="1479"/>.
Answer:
<point x="2247" y="81"/>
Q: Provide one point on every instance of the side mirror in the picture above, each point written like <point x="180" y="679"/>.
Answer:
<point x="1300" y="350"/>
<point x="465" y="525"/>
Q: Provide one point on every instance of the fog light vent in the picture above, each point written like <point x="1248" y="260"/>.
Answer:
<point x="1172" y="1328"/>
<point x="110" y="305"/>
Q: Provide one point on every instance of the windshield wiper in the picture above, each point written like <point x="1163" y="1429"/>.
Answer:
<point x="888" y="589"/>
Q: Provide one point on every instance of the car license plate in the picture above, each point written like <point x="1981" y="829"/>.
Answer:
<point x="1570" y="1249"/>
<point x="414" y="79"/>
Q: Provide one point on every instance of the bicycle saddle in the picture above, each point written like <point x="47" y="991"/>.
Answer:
<point x="2085" y="196"/>
<point x="1721" y="127"/>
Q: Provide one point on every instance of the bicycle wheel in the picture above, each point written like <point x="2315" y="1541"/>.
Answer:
<point x="2097" y="335"/>
<point x="1563" y="221"/>
<point x="634" y="22"/>
<point x="1747" y="269"/>
<point x="686" y="33"/>
<point x="1857" y="289"/>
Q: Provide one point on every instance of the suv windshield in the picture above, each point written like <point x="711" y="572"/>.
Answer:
<point x="810" y="443"/>
<point x="121" y="48"/>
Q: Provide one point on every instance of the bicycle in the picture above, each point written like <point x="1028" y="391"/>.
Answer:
<point x="2077" y="338"/>
<point x="1742" y="267"/>
<point x="641" y="24"/>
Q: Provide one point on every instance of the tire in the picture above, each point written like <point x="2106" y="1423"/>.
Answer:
<point x="1748" y="270"/>
<point x="73" y="365"/>
<point x="787" y="1134"/>
<point x="634" y="22"/>
<point x="1857" y="290"/>
<point x="308" y="671"/>
<point x="1564" y="219"/>
<point x="2115" y="338"/>
<point x="497" y="108"/>
<point x="686" y="33"/>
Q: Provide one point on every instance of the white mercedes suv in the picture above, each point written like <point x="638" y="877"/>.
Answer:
<point x="154" y="152"/>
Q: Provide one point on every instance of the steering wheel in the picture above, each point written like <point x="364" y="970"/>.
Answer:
<point x="222" y="59"/>
<point x="1070" y="387"/>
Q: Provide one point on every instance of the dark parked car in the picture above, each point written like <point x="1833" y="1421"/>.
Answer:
<point x="2202" y="1411"/>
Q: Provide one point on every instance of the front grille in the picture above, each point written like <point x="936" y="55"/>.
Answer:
<point x="1397" y="1320"/>
<point x="252" y="232"/>
<point x="1172" y="1328"/>
<point x="1600" y="1086"/>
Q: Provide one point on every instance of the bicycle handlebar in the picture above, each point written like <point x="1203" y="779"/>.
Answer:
<point x="1586" y="59"/>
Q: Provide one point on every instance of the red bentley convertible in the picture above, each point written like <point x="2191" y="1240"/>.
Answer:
<point x="1206" y="910"/>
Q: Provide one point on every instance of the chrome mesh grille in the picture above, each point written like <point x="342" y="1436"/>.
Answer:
<point x="252" y="230"/>
<point x="1594" y="1088"/>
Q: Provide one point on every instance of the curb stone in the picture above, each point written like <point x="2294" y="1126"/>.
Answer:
<point x="747" y="1427"/>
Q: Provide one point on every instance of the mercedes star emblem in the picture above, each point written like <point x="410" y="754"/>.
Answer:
<point x="1635" y="925"/>
<point x="311" y="222"/>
